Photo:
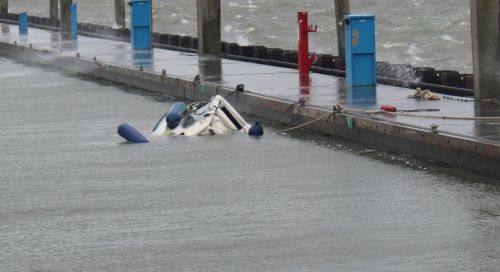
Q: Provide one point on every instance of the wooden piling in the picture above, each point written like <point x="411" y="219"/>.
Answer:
<point x="209" y="27"/>
<point x="54" y="9"/>
<point x="485" y="18"/>
<point x="4" y="7"/>
<point x="119" y="14"/>
<point x="341" y="9"/>
<point x="65" y="12"/>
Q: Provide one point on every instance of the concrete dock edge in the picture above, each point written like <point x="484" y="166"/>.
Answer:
<point x="481" y="156"/>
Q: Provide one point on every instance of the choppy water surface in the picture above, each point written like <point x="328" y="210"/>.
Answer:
<point x="419" y="32"/>
<point x="74" y="198"/>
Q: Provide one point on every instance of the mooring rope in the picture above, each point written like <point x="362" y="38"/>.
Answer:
<point x="305" y="124"/>
<point x="341" y="109"/>
<point x="492" y="118"/>
<point x="290" y="108"/>
<point x="229" y="94"/>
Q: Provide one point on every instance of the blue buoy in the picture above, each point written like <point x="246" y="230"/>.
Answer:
<point x="131" y="134"/>
<point x="256" y="129"/>
<point x="175" y="114"/>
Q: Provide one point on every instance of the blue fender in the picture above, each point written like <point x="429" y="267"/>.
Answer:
<point x="131" y="134"/>
<point x="256" y="129"/>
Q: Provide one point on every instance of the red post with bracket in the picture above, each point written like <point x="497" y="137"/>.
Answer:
<point x="305" y="61"/>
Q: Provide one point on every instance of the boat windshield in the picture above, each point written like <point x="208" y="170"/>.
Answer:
<point x="190" y="120"/>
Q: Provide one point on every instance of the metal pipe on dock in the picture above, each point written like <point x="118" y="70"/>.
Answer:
<point x="485" y="17"/>
<point x="54" y="9"/>
<point x="65" y="12"/>
<point x="341" y="9"/>
<point x="120" y="14"/>
<point x="209" y="27"/>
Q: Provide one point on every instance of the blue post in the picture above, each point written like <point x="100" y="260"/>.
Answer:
<point x="23" y="23"/>
<point x="362" y="97"/>
<point x="140" y="13"/>
<point x="361" y="66"/>
<point x="74" y="22"/>
<point x="143" y="58"/>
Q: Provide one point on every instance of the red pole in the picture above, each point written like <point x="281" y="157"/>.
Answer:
<point x="305" y="61"/>
<point x="305" y="84"/>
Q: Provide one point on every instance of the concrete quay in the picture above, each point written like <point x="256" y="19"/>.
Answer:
<point x="273" y="93"/>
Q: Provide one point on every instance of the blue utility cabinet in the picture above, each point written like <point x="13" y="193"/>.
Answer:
<point x="140" y="13"/>
<point x="74" y="22"/>
<point x="360" y="50"/>
<point x="23" y="23"/>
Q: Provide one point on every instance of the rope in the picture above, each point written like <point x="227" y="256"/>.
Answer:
<point x="240" y="88"/>
<point x="340" y="109"/>
<point x="345" y="110"/>
<point x="301" y="102"/>
<point x="287" y="111"/>
<point x="336" y="109"/>
<point x="492" y="118"/>
<point x="305" y="124"/>
<point x="228" y="95"/>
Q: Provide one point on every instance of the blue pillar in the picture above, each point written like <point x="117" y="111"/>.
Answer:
<point x="143" y="58"/>
<point x="140" y="13"/>
<point x="362" y="97"/>
<point x="361" y="66"/>
<point x="74" y="22"/>
<point x="23" y="23"/>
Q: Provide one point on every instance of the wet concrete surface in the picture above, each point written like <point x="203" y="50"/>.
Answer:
<point x="74" y="197"/>
<point x="320" y="90"/>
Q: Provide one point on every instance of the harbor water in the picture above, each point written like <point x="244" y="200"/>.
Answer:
<point x="74" y="197"/>
<point x="417" y="32"/>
